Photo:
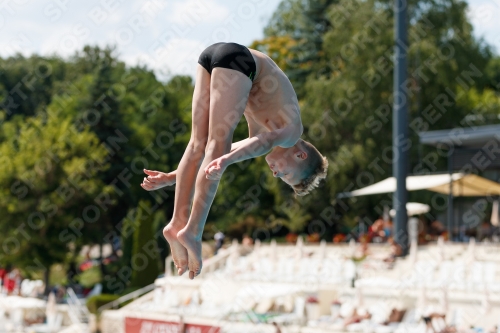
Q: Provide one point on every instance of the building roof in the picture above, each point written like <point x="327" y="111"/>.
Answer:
<point x="471" y="137"/>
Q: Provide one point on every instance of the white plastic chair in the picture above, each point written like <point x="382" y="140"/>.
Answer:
<point x="308" y="271"/>
<point x="428" y="271"/>
<point x="476" y="276"/>
<point x="265" y="272"/>
<point x="410" y="317"/>
<point x="458" y="280"/>
<point x="457" y="318"/>
<point x="349" y="271"/>
<point x="438" y="324"/>
<point x="288" y="270"/>
<point x="444" y="274"/>
<point x="243" y="268"/>
<point x="229" y="268"/>
<point x="490" y="272"/>
<point x="330" y="271"/>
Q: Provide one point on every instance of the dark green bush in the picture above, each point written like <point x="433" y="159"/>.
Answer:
<point x="94" y="302"/>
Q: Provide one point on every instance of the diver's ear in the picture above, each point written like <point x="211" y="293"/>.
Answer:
<point x="301" y="154"/>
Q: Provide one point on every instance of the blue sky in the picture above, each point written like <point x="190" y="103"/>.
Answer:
<point x="166" y="35"/>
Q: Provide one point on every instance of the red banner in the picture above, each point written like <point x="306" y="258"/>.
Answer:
<point x="139" y="325"/>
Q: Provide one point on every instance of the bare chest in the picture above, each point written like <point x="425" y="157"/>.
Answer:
<point x="272" y="101"/>
<point x="272" y="112"/>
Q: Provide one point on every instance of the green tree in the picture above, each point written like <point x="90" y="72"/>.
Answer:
<point x="145" y="259"/>
<point x="345" y="92"/>
<point x="103" y="114"/>
<point x="27" y="84"/>
<point x="348" y="114"/>
<point x="138" y="122"/>
<point x="302" y="26"/>
<point x="47" y="195"/>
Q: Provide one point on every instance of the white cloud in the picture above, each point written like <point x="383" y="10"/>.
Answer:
<point x="484" y="15"/>
<point x="192" y="12"/>
<point x="173" y="34"/>
<point x="178" y="57"/>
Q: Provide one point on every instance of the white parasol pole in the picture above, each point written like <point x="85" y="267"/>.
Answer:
<point x="494" y="213"/>
<point x="299" y="247"/>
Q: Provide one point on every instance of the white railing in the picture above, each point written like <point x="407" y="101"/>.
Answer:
<point x="133" y="295"/>
<point x="78" y="312"/>
<point x="211" y="264"/>
<point x="168" y="266"/>
<point x="219" y="260"/>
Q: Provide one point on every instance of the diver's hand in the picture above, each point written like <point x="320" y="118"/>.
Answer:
<point x="157" y="179"/>
<point x="216" y="168"/>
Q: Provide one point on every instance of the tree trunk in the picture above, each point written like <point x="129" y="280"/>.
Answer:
<point x="101" y="259"/>
<point x="71" y="273"/>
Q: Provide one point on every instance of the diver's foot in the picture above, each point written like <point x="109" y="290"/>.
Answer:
<point x="193" y="246"/>
<point x="179" y="252"/>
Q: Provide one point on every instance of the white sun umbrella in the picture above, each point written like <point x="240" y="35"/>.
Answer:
<point x="386" y="214"/>
<point x="413" y="257"/>
<point x="413" y="229"/>
<point x="413" y="208"/>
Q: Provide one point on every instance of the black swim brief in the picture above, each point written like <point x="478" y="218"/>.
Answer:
<point x="229" y="55"/>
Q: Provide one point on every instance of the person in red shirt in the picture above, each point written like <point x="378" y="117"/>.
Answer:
<point x="3" y="272"/>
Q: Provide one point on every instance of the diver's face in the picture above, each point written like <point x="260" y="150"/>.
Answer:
<point x="287" y="164"/>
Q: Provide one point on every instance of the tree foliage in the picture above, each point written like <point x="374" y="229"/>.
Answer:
<point x="75" y="136"/>
<point x="347" y="100"/>
<point x="144" y="260"/>
<point x="47" y="189"/>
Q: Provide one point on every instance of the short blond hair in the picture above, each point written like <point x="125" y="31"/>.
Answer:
<point x="318" y="166"/>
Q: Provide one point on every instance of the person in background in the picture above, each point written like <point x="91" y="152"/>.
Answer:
<point x="3" y="272"/>
<point x="395" y="251"/>
<point x="387" y="226"/>
<point x="432" y="320"/>
<point x="247" y="240"/>
<point x="219" y="240"/>
<point x="13" y="281"/>
<point x="358" y="316"/>
<point x="422" y="231"/>
<point x="436" y="229"/>
<point x="362" y="251"/>
<point x="484" y="231"/>
<point x="396" y="316"/>
<point x="376" y="231"/>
